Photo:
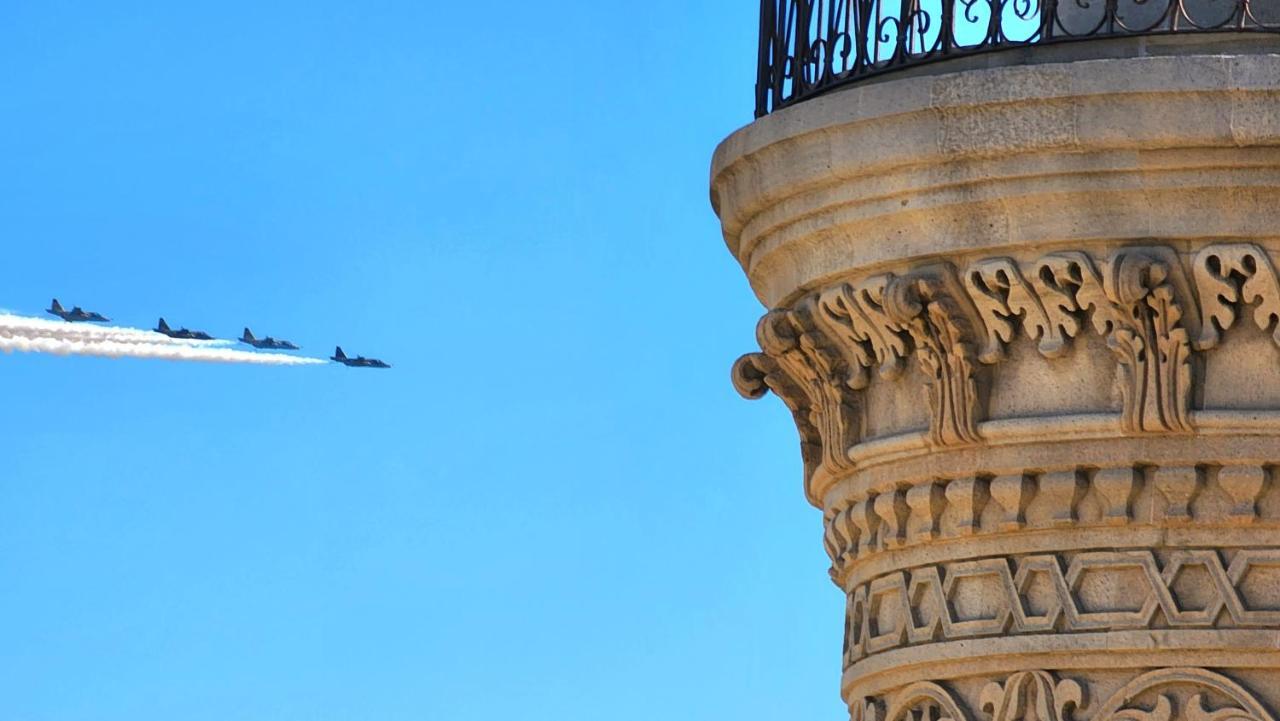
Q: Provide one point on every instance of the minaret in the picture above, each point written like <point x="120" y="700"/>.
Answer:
<point x="1019" y="261"/>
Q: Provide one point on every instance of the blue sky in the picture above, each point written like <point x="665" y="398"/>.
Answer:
<point x="553" y="507"/>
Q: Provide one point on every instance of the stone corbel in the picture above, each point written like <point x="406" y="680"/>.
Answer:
<point x="802" y="367"/>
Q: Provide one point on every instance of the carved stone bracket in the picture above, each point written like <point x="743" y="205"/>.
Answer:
<point x="800" y="365"/>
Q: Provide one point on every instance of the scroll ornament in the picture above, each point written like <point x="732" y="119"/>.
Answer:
<point x="800" y="366"/>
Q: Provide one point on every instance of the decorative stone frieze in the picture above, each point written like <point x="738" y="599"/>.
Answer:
<point x="1139" y="300"/>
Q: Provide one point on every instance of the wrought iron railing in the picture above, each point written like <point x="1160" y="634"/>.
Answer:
<point x="810" y="46"/>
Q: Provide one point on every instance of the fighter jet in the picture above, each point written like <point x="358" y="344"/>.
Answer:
<point x="76" y="314"/>
<point x="181" y="333"/>
<point x="358" y="361"/>
<point x="267" y="343"/>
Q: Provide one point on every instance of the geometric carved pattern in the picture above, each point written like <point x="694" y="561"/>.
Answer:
<point x="1099" y="590"/>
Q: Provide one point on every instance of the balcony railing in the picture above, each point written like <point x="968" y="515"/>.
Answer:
<point x="810" y="46"/>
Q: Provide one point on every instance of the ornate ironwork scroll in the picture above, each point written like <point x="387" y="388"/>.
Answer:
<point x="810" y="46"/>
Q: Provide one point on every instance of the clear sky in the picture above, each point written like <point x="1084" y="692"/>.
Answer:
<point x="553" y="507"/>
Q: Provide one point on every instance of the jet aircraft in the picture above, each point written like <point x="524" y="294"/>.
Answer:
<point x="268" y="343"/>
<point x="76" y="314"/>
<point x="358" y="361"/>
<point x="181" y="333"/>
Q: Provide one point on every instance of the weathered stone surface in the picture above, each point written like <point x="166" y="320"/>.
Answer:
<point x="1028" y="322"/>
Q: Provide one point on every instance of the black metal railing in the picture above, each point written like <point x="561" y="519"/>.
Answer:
<point x="810" y="46"/>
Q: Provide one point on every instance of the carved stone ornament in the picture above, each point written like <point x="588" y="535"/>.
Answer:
<point x="1135" y="308"/>
<point x="818" y="356"/>
<point x="1005" y="299"/>
<point x="1182" y="694"/>
<point x="801" y="367"/>
<point x="1229" y="276"/>
<point x="1031" y="696"/>
<point x="924" y="701"/>
<point x="933" y="308"/>
<point x="855" y="313"/>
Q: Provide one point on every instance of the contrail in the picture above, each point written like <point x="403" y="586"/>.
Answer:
<point x="10" y="342"/>
<point x="36" y="335"/>
<point x="29" y="327"/>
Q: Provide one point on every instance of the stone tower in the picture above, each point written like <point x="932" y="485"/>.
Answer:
<point x="1020" y="264"/>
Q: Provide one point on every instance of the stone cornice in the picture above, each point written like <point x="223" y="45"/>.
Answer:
<point x="1064" y="154"/>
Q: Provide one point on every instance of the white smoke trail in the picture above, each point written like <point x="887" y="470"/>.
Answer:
<point x="37" y="335"/>
<point x="29" y="327"/>
<point x="12" y="339"/>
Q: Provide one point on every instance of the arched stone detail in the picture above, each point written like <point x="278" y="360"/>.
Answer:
<point x="1232" y="702"/>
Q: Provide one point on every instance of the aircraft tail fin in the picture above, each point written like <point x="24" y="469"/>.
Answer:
<point x="55" y="306"/>
<point x="162" y="325"/>
<point x="338" y="354"/>
<point x="248" y="335"/>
